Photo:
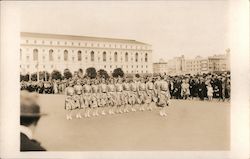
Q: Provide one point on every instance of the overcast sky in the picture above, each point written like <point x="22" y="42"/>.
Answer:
<point x="172" y="28"/>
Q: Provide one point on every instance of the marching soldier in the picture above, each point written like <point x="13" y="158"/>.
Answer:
<point x="86" y="96"/>
<point x="142" y="93"/>
<point x="149" y="93"/>
<point x="103" y="93"/>
<point x="69" y="100"/>
<point x="156" y="88"/>
<point x="163" y="95"/>
<point x="94" y="98"/>
<point x="133" y="94"/>
<point x="119" y="95"/>
<point x="78" y="97"/>
<point x="126" y="93"/>
<point x="112" y="96"/>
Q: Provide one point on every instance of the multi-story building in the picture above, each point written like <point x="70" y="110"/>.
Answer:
<point x="218" y="63"/>
<point x="48" y="52"/>
<point x="160" y="67"/>
<point x="180" y="65"/>
<point x="176" y="65"/>
<point x="196" y="65"/>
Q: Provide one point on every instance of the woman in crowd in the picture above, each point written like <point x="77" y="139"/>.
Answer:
<point x="210" y="92"/>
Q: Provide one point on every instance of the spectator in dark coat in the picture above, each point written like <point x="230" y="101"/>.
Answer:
<point x="202" y="89"/>
<point x="30" y="115"/>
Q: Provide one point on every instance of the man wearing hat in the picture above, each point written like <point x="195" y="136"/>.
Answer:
<point x="30" y="115"/>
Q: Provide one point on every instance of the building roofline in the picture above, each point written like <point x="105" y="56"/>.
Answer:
<point x="76" y="37"/>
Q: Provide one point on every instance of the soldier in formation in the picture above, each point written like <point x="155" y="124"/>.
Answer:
<point x="95" y="97"/>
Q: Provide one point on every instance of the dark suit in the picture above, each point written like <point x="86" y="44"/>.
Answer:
<point x="29" y="145"/>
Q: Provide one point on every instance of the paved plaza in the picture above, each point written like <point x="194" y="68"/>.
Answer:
<point x="190" y="125"/>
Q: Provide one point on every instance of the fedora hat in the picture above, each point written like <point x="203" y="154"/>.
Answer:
<point x="29" y="105"/>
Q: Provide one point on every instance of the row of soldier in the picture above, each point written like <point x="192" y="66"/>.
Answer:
<point x="86" y="98"/>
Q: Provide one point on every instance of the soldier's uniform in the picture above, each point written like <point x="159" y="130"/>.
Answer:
<point x="78" y="95"/>
<point x="119" y="90"/>
<point x="133" y="93"/>
<point x="150" y="92"/>
<point x="163" y="94"/>
<point x="94" y="96"/>
<point x="103" y="92"/>
<point x="69" y="100"/>
<point x="142" y="92"/>
<point x="112" y="94"/>
<point x="156" y="90"/>
<point x="55" y="87"/>
<point x="126" y="92"/>
<point x="87" y="95"/>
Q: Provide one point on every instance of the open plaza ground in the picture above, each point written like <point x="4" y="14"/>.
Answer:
<point x="189" y="125"/>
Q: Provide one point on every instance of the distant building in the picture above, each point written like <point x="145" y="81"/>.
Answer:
<point x="176" y="65"/>
<point x="48" y="52"/>
<point x="198" y="65"/>
<point x="218" y="63"/>
<point x="160" y="67"/>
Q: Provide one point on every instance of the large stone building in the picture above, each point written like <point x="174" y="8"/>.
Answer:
<point x="48" y="52"/>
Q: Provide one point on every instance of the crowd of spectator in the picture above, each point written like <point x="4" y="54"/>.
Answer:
<point x="203" y="86"/>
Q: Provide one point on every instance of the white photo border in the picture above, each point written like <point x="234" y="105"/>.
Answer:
<point x="9" y="87"/>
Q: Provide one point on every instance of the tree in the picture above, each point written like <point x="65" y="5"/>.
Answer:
<point x="91" y="72"/>
<point x="24" y="77"/>
<point x="103" y="74"/>
<point x="80" y="70"/>
<point x="42" y="75"/>
<point x="118" y="72"/>
<point x="137" y="75"/>
<point x="80" y="73"/>
<point x="56" y="75"/>
<point x="34" y="77"/>
<point x="67" y="74"/>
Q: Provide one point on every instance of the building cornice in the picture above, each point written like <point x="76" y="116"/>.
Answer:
<point x="81" y="47"/>
<point x="82" y="38"/>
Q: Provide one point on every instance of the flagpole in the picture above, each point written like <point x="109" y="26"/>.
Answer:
<point x="38" y="71"/>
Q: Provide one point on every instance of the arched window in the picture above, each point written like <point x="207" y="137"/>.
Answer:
<point x="115" y="56"/>
<point x="92" y="56"/>
<point x="79" y="55"/>
<point x="104" y="56"/>
<point x="136" y="57"/>
<point x="35" y="54"/>
<point x="65" y="55"/>
<point x="51" y="58"/>
<point x="146" y="57"/>
<point x="126" y="57"/>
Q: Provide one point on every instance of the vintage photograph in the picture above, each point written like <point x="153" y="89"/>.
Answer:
<point x="125" y="76"/>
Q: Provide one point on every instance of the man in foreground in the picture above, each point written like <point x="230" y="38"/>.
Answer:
<point x="30" y="115"/>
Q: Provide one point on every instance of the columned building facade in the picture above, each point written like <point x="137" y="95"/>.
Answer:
<point x="48" y="52"/>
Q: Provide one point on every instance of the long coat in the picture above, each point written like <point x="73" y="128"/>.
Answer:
<point x="29" y="145"/>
